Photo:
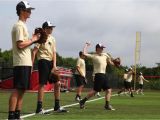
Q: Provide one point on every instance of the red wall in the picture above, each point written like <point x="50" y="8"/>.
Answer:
<point x="8" y="83"/>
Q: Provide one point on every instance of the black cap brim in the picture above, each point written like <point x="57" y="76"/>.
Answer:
<point x="31" y="8"/>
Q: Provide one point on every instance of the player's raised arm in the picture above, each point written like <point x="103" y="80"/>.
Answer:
<point x="85" y="48"/>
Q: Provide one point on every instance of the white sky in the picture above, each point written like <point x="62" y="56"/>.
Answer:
<point x="111" y="22"/>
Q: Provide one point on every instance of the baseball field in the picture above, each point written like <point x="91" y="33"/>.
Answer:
<point x="140" y="107"/>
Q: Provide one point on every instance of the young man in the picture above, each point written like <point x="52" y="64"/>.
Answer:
<point x="129" y="80"/>
<point x="100" y="61"/>
<point x="80" y="75"/>
<point x="124" y="89"/>
<point x="141" y="79"/>
<point x="21" y="59"/>
<point x="46" y="55"/>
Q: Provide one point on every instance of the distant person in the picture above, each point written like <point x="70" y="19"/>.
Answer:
<point x="129" y="80"/>
<point x="64" y="87"/>
<point x="125" y="87"/>
<point x="100" y="62"/>
<point x="80" y="75"/>
<point x="46" y="55"/>
<point x="141" y="80"/>
<point x="22" y="62"/>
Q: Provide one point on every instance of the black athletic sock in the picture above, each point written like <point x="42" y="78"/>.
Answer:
<point x="17" y="114"/>
<point x="57" y="106"/>
<point x="39" y="106"/>
<point x="84" y="100"/>
<point x="107" y="104"/>
<point x="11" y="115"/>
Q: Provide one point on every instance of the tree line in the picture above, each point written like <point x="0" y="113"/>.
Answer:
<point x="69" y="62"/>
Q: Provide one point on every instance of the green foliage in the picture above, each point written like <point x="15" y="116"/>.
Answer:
<point x="89" y="64"/>
<point x="7" y="55"/>
<point x="69" y="62"/>
<point x="59" y="60"/>
<point x="6" y="58"/>
<point x="153" y="84"/>
<point x="6" y="62"/>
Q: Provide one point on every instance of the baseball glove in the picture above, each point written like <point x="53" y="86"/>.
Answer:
<point x="54" y="77"/>
<point x="117" y="62"/>
<point x="43" y="35"/>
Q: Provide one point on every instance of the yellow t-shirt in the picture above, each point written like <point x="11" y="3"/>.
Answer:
<point x="125" y="76"/>
<point x="129" y="77"/>
<point x="45" y="51"/>
<point x="21" y="57"/>
<point x="99" y="62"/>
<point x="81" y="65"/>
<point x="140" y="79"/>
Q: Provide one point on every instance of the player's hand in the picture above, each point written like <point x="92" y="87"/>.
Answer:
<point x="54" y="69"/>
<point x="88" y="44"/>
<point x="35" y="37"/>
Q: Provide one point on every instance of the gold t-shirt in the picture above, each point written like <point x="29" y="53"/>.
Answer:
<point x="81" y="65"/>
<point x="45" y="51"/>
<point x="99" y="62"/>
<point x="21" y="57"/>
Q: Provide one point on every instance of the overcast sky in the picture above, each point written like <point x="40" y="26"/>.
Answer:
<point x="113" y="23"/>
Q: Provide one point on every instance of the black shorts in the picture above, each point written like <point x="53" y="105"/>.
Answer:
<point x="128" y="85"/>
<point x="22" y="75"/>
<point x="44" y="68"/>
<point x="101" y="82"/>
<point x="80" y="80"/>
<point x="140" y="86"/>
<point x="125" y="84"/>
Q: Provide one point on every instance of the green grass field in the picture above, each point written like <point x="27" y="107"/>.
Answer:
<point x="141" y="107"/>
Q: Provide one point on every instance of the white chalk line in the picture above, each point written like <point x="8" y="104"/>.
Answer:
<point x="65" y="106"/>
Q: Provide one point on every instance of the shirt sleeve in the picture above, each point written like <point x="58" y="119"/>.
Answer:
<point x="78" y="63"/>
<point x="108" y="57"/>
<point x="19" y="33"/>
<point x="89" y="55"/>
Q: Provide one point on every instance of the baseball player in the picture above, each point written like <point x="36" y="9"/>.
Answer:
<point x="100" y="61"/>
<point x="129" y="80"/>
<point x="46" y="55"/>
<point x="80" y="75"/>
<point x="124" y="89"/>
<point x="141" y="79"/>
<point x="21" y="59"/>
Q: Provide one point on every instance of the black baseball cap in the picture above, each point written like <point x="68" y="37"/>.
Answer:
<point x="81" y="53"/>
<point x="47" y="24"/>
<point x="100" y="46"/>
<point x="23" y="5"/>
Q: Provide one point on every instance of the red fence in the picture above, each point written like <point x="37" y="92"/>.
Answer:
<point x="65" y="74"/>
<point x="151" y="77"/>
